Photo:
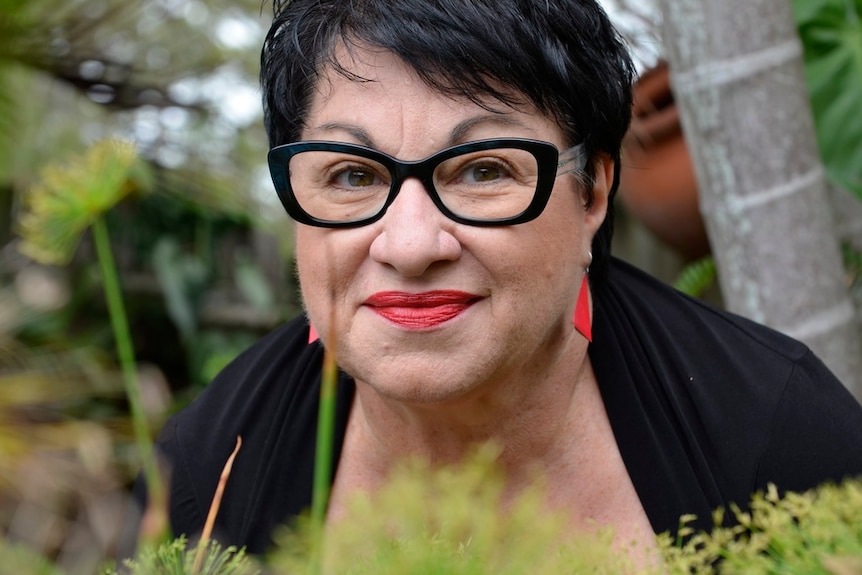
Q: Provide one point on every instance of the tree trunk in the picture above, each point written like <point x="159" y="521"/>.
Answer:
<point x="737" y="74"/>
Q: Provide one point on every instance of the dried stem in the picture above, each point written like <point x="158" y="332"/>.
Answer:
<point x="207" y="532"/>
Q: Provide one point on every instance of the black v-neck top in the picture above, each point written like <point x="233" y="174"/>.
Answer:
<point x="706" y="408"/>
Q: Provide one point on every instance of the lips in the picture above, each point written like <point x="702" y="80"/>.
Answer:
<point x="420" y="310"/>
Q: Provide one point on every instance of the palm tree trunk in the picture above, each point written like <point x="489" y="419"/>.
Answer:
<point x="737" y="73"/>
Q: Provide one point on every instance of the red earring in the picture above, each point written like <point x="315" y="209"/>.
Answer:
<point x="312" y="334"/>
<point x="582" y="319"/>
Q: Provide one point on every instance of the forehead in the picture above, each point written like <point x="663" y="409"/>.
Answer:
<point x="374" y="89"/>
<point x="363" y="63"/>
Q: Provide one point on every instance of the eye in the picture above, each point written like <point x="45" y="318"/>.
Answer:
<point x="486" y="170"/>
<point x="355" y="176"/>
<point x="482" y="173"/>
<point x="483" y="170"/>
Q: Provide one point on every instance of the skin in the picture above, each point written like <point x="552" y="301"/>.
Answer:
<point x="511" y="367"/>
<point x="515" y="328"/>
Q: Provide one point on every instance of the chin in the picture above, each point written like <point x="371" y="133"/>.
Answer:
<point x="425" y="387"/>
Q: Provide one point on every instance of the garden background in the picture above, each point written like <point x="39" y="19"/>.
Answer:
<point x="202" y="247"/>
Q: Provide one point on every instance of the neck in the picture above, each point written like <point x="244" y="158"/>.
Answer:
<point x="556" y="431"/>
<point x="532" y="418"/>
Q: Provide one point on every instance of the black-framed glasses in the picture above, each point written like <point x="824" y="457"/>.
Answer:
<point x="496" y="182"/>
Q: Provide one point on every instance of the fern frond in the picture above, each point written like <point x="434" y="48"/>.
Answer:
<point x="697" y="276"/>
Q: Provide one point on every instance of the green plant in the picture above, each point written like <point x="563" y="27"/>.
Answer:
<point x="69" y="199"/>
<point x="817" y="532"/>
<point x="174" y="558"/>
<point x="697" y="276"/>
<point x="853" y="265"/>
<point x="451" y="520"/>
<point x="831" y="33"/>
<point x="21" y="560"/>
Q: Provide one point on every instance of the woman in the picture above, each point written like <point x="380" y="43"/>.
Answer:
<point x="451" y="167"/>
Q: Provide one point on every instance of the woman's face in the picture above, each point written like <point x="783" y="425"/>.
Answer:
<point x="423" y="309"/>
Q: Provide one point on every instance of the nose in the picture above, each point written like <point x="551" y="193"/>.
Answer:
<point x="414" y="234"/>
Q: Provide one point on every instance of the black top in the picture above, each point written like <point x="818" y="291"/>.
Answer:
<point x="706" y="408"/>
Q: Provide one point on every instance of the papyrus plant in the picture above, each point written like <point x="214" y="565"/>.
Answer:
<point x="69" y="199"/>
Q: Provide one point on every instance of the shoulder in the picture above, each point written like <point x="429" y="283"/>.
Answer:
<point x="274" y="367"/>
<point x="266" y="394"/>
<point x="816" y="432"/>
<point x="721" y="402"/>
<point x="699" y="339"/>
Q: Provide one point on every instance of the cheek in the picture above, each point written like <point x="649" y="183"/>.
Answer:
<point x="557" y="242"/>
<point x="328" y="262"/>
<point x="551" y="265"/>
<point x="309" y="250"/>
<point x="536" y="260"/>
<point x="312" y="282"/>
<point x="317" y="268"/>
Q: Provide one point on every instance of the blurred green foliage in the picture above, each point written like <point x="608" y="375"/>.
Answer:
<point x="454" y="520"/>
<point x="202" y="261"/>
<point x="176" y="558"/>
<point x="831" y="32"/>
<point x="457" y="520"/>
<point x="68" y="199"/>
<point x="178" y="78"/>
<point x="697" y="276"/>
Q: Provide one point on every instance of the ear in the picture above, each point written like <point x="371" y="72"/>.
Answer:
<point x="603" y="176"/>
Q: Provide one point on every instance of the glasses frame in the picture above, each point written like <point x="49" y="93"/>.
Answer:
<point x="546" y="154"/>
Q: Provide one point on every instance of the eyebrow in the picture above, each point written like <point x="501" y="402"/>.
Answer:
<point x="361" y="134"/>
<point x="456" y="136"/>
<point x="462" y="128"/>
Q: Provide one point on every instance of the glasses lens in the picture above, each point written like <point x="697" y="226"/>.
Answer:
<point x="494" y="184"/>
<point x="489" y="184"/>
<point x="338" y="187"/>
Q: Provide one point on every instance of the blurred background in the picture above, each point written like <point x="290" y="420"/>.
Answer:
<point x="202" y="246"/>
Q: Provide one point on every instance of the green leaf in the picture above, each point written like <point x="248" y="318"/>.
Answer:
<point x="183" y="279"/>
<point x="253" y="285"/>
<point x="831" y="32"/>
<point x="8" y="124"/>
<point x="697" y="276"/>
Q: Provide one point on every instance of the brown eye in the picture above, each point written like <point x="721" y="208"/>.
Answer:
<point x="482" y="173"/>
<point x="356" y="178"/>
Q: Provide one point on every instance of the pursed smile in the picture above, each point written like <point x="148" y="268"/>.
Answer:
<point x="420" y="310"/>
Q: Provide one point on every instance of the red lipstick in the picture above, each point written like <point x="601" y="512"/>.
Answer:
<point x="420" y="310"/>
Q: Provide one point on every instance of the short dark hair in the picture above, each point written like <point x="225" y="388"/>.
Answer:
<point x="564" y="56"/>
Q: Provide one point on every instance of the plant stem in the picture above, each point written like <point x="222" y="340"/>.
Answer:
<point x="125" y="353"/>
<point x="325" y="435"/>
<point x="207" y="532"/>
<point x="323" y="455"/>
